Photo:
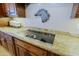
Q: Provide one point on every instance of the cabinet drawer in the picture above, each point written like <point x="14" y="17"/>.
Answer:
<point x="31" y="48"/>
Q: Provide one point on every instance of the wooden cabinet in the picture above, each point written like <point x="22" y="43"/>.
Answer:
<point x="21" y="48"/>
<point x="12" y="9"/>
<point x="15" y="9"/>
<point x="7" y="42"/>
<point x="29" y="49"/>
<point x="0" y="39"/>
<point x="77" y="12"/>
<point x="0" y="42"/>
<point x="10" y="44"/>
<point x="76" y="8"/>
<point x="20" y="8"/>
<point x="3" y="12"/>
<point x="3" y="40"/>
<point x="22" y="51"/>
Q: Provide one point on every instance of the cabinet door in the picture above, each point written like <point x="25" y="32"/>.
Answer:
<point x="10" y="44"/>
<point x="20" y="8"/>
<point x="3" y="10"/>
<point x="11" y="49"/>
<point x="35" y="50"/>
<point x="7" y="42"/>
<point x="0" y="39"/>
<point x="22" y="52"/>
<point x="3" y="41"/>
<point x="0" y="42"/>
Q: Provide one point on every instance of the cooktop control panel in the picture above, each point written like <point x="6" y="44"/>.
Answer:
<point x="42" y="36"/>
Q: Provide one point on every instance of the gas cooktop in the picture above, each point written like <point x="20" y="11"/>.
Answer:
<point x="42" y="36"/>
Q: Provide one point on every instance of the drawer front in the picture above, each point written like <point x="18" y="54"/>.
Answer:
<point x="31" y="48"/>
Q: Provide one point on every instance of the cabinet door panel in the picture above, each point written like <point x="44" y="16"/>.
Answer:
<point x="7" y="42"/>
<point x="22" y="52"/>
<point x="11" y="49"/>
<point x="0" y="39"/>
<point x="0" y="42"/>
<point x="3" y="10"/>
<point x="10" y="43"/>
<point x="33" y="49"/>
<point x="4" y="42"/>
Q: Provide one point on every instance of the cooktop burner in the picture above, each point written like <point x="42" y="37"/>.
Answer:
<point x="42" y="36"/>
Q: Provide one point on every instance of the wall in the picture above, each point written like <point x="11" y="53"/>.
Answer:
<point x="59" y="20"/>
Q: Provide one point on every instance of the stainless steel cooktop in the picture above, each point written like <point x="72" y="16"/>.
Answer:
<point x="42" y="36"/>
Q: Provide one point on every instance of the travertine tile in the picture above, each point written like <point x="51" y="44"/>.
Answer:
<point x="4" y="52"/>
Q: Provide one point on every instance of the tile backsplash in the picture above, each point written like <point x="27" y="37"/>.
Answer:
<point x="60" y="16"/>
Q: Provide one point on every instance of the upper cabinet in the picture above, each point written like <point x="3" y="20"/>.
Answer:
<point x="3" y="12"/>
<point x="12" y="10"/>
<point x="16" y="10"/>
<point x="20" y="8"/>
<point x="77" y="12"/>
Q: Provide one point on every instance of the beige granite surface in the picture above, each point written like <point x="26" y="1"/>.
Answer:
<point x="64" y="43"/>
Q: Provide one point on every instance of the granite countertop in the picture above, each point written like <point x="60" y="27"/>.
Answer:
<point x="64" y="43"/>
